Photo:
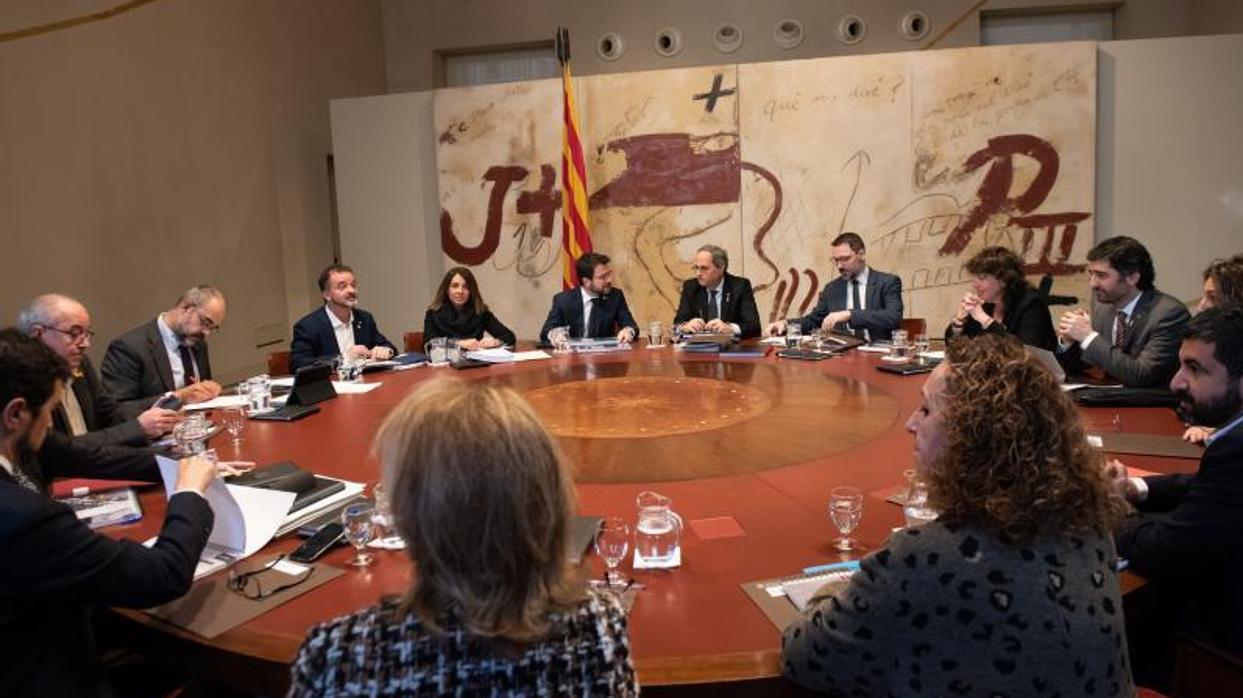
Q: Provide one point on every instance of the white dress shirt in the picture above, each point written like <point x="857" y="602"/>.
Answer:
<point x="343" y="330"/>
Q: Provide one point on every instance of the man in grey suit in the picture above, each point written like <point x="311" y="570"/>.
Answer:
<point x="168" y="355"/>
<point x="861" y="301"/>
<point x="89" y="411"/>
<point x="1134" y="331"/>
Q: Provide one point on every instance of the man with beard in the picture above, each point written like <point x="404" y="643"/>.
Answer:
<point x="340" y="328"/>
<point x="861" y="301"/>
<point x="56" y="569"/>
<point x="168" y="355"/>
<point x="595" y="309"/>
<point x="89" y="410"/>
<point x="1188" y="534"/>
<point x="1133" y="332"/>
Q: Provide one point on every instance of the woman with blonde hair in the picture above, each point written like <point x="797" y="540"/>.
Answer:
<point x="1013" y="589"/>
<point x="482" y="498"/>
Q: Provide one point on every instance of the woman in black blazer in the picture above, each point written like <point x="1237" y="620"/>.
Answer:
<point x="458" y="312"/>
<point x="1001" y="301"/>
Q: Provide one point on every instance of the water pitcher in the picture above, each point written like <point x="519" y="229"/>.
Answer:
<point x="658" y="535"/>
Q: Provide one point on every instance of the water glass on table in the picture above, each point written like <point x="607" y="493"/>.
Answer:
<point x="845" y="510"/>
<point x="794" y="333"/>
<point x="612" y="542"/>
<point x="359" y="523"/>
<point x="922" y="345"/>
<point x="234" y="418"/>
<point x="655" y="334"/>
<point x="259" y="394"/>
<point x="915" y="507"/>
<point x="899" y="347"/>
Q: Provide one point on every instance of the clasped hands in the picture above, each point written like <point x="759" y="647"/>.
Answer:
<point x="358" y="351"/>
<point x="972" y="306"/>
<point x="1074" y="326"/>
<point x="1120" y="482"/>
<point x="695" y="325"/>
<point x="487" y="342"/>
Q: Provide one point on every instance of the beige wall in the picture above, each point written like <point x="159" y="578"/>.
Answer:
<point x="415" y="29"/>
<point x="182" y="142"/>
<point x="1170" y="152"/>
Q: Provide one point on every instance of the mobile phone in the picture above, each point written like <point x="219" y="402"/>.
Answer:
<point x="327" y="536"/>
<point x="169" y="402"/>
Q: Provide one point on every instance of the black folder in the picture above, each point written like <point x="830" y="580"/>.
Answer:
<point x="286" y="476"/>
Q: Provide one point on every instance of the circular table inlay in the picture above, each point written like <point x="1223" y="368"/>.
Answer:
<point x="645" y="406"/>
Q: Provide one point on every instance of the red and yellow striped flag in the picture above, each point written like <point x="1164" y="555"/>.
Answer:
<point x="576" y="236"/>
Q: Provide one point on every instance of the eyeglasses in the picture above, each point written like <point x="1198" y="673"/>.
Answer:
<point x="248" y="584"/>
<point x="701" y="267"/>
<point x="76" y="334"/>
<point x="208" y="324"/>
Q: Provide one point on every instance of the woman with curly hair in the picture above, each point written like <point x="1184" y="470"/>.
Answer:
<point x="1013" y="589"/>
<point x="481" y="495"/>
<point x="1002" y="302"/>
<point x="1223" y="284"/>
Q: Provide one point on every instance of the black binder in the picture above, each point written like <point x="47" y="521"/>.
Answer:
<point x="286" y="476"/>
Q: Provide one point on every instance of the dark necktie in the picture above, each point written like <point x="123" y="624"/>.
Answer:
<point x="856" y="304"/>
<point x="1120" y="328"/>
<point x="712" y="314"/>
<point x="593" y="329"/>
<point x="187" y="364"/>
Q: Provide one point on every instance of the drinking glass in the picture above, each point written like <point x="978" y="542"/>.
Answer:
<point x="234" y="419"/>
<point x="453" y="351"/>
<point x="915" y="507"/>
<point x="922" y="344"/>
<point x="655" y="334"/>
<point x="612" y="542"/>
<point x="845" y="510"/>
<point x="559" y="338"/>
<point x="358" y="520"/>
<point x="794" y="333"/>
<point x="898" y="348"/>
<point x="259" y="392"/>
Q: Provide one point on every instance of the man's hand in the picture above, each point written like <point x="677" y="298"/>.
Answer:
<point x="201" y="391"/>
<point x="1197" y="435"/>
<point x="777" y="328"/>
<point x="626" y="335"/>
<point x="693" y="325"/>
<point x="158" y="421"/>
<point x="358" y="351"/>
<point x="835" y="318"/>
<point x="1075" y="325"/>
<point x="381" y="353"/>
<point x="1115" y="473"/>
<point x="195" y="473"/>
<point x="719" y="326"/>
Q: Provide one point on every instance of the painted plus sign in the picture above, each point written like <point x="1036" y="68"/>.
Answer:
<point x="715" y="93"/>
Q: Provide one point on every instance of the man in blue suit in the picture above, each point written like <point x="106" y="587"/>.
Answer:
<point x="340" y="328"/>
<point x="861" y="301"/>
<point x="595" y="308"/>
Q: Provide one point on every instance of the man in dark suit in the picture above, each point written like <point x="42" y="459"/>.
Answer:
<point x="1188" y="536"/>
<point x="168" y="355"/>
<point x="89" y="411"/>
<point x="716" y="300"/>
<point x="594" y="309"/>
<point x="57" y="570"/>
<point x="340" y="327"/>
<point x="861" y="301"/>
<point x="1134" y="330"/>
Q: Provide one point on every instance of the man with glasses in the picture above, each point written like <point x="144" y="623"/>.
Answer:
<point x="861" y="301"/>
<point x="715" y="300"/>
<point x="57" y="571"/>
<point x="89" y="411"/>
<point x="168" y="355"/>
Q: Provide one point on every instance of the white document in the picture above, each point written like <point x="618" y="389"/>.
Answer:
<point x="498" y="355"/>
<point x="246" y="518"/>
<point x="347" y="388"/>
<point x="283" y="381"/>
<point x="536" y="355"/>
<point x="774" y="341"/>
<point x="217" y="403"/>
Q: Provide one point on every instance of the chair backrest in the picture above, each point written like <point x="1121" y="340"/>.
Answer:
<point x="414" y="341"/>
<point x="1201" y="671"/>
<point x="278" y="363"/>
<point x="914" y="326"/>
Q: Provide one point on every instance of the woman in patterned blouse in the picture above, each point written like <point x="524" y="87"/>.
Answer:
<point x="482" y="498"/>
<point x="1013" y="590"/>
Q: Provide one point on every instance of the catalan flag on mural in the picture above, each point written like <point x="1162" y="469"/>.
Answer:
<point x="576" y="236"/>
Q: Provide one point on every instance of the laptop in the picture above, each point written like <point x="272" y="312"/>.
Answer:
<point x="1048" y="360"/>
<point x="311" y="384"/>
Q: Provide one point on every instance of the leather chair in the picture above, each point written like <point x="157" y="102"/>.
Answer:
<point x="278" y="363"/>
<point x="414" y="341"/>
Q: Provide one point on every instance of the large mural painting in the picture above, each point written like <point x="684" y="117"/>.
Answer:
<point x="928" y="156"/>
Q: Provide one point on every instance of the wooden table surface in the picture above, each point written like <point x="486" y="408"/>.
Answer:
<point x="759" y="440"/>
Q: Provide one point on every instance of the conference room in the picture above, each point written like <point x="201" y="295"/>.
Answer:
<point x="584" y="213"/>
